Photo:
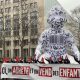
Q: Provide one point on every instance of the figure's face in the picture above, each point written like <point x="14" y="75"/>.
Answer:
<point x="56" y="17"/>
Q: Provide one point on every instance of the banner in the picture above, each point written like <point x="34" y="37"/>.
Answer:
<point x="40" y="71"/>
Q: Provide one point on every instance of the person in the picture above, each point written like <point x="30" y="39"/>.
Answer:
<point x="55" y="40"/>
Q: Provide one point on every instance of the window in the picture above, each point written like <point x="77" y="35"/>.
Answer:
<point x="16" y="25"/>
<point x="1" y="23"/>
<point x="15" y="1"/>
<point x="16" y="33"/>
<point x="16" y="52"/>
<point x="23" y="1"/>
<point x="34" y="41"/>
<point x="1" y="3"/>
<point x="33" y="26"/>
<point x="34" y="22"/>
<point x="25" y="32"/>
<point x="33" y="5"/>
<point x="7" y="33"/>
<point x="1" y="18"/>
<point x="0" y="54"/>
<point x="7" y="17"/>
<point x="24" y="7"/>
<point x="25" y="53"/>
<point x="8" y="10"/>
<point x="16" y="8"/>
<point x="1" y="43"/>
<point x="16" y="42"/>
<point x="16" y="16"/>
<point x="16" y="22"/>
<point x="25" y="24"/>
<point x="7" y="25"/>
<point x="34" y="30"/>
<point x="25" y="42"/>
<point x="33" y="17"/>
<point x="1" y="29"/>
<point x="7" y="1"/>
<point x="7" y="53"/>
<point x="25" y="16"/>
<point x="0" y="33"/>
<point x="8" y="21"/>
<point x="33" y="51"/>
<point x="33" y="13"/>
<point x="1" y="11"/>
<point x="8" y="43"/>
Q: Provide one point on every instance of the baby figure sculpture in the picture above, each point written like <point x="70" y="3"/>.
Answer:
<point x="54" y="40"/>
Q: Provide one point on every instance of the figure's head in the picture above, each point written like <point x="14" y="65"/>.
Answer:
<point x="56" y="17"/>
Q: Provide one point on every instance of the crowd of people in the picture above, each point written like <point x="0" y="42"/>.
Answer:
<point x="33" y="60"/>
<point x="16" y="60"/>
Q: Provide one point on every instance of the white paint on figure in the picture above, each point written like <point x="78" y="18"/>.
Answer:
<point x="54" y="40"/>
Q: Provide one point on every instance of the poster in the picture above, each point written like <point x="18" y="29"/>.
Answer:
<point x="40" y="71"/>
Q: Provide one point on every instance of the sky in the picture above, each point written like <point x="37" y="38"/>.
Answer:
<point x="48" y="4"/>
<point x="68" y="5"/>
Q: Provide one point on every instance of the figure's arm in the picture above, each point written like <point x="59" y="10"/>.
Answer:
<point x="38" y="51"/>
<point x="76" y="51"/>
<point x="73" y="46"/>
<point x="40" y="46"/>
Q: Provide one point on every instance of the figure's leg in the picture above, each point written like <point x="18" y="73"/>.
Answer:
<point x="71" y="59"/>
<point x="45" y="56"/>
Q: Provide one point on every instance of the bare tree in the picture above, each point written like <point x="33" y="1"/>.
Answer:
<point x="28" y="23"/>
<point x="76" y="14"/>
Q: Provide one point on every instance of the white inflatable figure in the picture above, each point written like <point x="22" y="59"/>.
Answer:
<point x="54" y="40"/>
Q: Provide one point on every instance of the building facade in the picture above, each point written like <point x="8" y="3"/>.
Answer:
<point x="21" y="22"/>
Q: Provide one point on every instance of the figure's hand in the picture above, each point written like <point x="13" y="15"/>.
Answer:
<point x="77" y="59"/>
<point x="76" y="52"/>
<point x="71" y="59"/>
<point x="43" y="58"/>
